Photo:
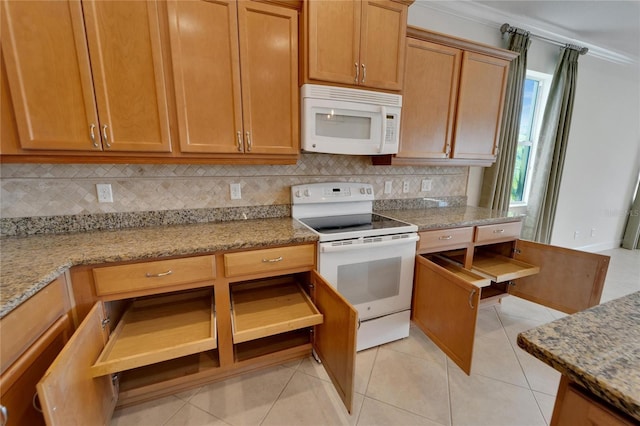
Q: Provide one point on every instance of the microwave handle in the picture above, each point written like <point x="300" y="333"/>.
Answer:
<point x="383" y="113"/>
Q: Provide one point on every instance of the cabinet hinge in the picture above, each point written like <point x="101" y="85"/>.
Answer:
<point x="511" y="283"/>
<point x="105" y="322"/>
<point x="516" y="251"/>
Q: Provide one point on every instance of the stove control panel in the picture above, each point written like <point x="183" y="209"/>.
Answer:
<point x="332" y="192"/>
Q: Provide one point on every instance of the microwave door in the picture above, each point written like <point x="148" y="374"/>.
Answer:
<point x="342" y="127"/>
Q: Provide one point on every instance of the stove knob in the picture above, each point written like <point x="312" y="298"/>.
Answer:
<point x="306" y="193"/>
<point x="363" y="190"/>
<point x="298" y="194"/>
<point x="369" y="191"/>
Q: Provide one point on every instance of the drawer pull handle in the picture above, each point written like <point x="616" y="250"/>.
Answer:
<point x="498" y="231"/>
<point x="446" y="237"/>
<point x="161" y="274"/>
<point x="274" y="260"/>
<point x="473" y="293"/>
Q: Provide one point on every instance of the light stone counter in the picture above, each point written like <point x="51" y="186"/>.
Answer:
<point x="450" y="217"/>
<point x="599" y="349"/>
<point x="27" y="264"/>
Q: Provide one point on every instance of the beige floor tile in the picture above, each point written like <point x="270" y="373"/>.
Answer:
<point x="482" y="401"/>
<point x="418" y="345"/>
<point x="517" y="307"/>
<point x="488" y="321"/>
<point x="376" y="413"/>
<point x="155" y="412"/>
<point x="546" y="403"/>
<point x="243" y="400"/>
<point x="189" y="415"/>
<point x="364" y="365"/>
<point x="310" y="401"/>
<point x="414" y="384"/>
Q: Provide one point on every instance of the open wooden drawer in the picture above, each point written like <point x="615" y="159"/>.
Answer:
<point x="497" y="267"/>
<point x="160" y="328"/>
<point x="267" y="307"/>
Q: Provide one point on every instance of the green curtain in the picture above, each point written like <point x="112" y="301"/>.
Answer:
<point x="496" y="181"/>
<point x="551" y="150"/>
<point x="631" y="238"/>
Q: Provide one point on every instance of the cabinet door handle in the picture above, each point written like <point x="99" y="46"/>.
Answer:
<point x="240" y="144"/>
<point x="473" y="293"/>
<point x="274" y="260"/>
<point x="248" y="141"/>
<point x="161" y="274"/>
<point x="357" y="73"/>
<point x="92" y="133"/>
<point x="4" y="415"/>
<point x="364" y="73"/>
<point x="104" y="136"/>
<point x="498" y="231"/>
<point x="446" y="237"/>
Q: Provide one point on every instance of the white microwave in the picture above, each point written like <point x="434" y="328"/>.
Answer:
<point x="337" y="120"/>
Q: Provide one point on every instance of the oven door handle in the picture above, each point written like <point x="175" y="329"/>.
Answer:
<point x="328" y="248"/>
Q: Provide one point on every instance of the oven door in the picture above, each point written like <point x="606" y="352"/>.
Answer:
<point x="373" y="274"/>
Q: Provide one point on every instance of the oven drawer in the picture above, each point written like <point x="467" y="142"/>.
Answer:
<point x="269" y="260"/>
<point x="440" y="239"/>
<point x="149" y="276"/>
<point x="487" y="234"/>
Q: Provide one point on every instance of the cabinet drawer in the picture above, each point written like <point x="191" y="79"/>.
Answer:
<point x="152" y="275"/>
<point x="498" y="232"/>
<point x="265" y="309"/>
<point x="267" y="260"/>
<point x="27" y="322"/>
<point x="441" y="238"/>
<point x="158" y="329"/>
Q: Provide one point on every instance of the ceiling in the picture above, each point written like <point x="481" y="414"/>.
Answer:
<point x="609" y="28"/>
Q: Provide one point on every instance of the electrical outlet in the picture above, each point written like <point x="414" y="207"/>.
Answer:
<point x="388" y="186"/>
<point x="104" y="193"/>
<point x="426" y="185"/>
<point x="236" y="192"/>
<point x="576" y="235"/>
<point x="405" y="186"/>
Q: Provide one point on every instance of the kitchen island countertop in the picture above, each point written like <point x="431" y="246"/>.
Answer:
<point x="598" y="348"/>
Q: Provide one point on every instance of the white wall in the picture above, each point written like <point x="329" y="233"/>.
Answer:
<point x="603" y="155"/>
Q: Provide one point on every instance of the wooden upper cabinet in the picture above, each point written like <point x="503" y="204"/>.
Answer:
<point x="47" y="61"/>
<point x="127" y="65"/>
<point x="429" y="104"/>
<point x="357" y="43"/>
<point x="482" y="88"/>
<point x="86" y="76"/>
<point x="236" y="76"/>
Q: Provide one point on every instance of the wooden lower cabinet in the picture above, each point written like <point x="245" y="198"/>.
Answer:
<point x="451" y="285"/>
<point x="575" y="406"/>
<point x="165" y="343"/>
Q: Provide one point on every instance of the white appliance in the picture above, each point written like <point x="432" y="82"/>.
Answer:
<point x="338" y="120"/>
<point x="367" y="257"/>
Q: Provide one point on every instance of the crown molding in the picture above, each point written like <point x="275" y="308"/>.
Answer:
<point x="488" y="16"/>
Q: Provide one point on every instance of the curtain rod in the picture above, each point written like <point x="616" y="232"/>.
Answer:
<point x="506" y="28"/>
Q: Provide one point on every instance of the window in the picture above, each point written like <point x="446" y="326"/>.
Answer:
<point x="536" y="89"/>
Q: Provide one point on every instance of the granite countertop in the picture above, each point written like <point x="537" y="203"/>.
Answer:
<point x="598" y="348"/>
<point x="450" y="217"/>
<point x="27" y="264"/>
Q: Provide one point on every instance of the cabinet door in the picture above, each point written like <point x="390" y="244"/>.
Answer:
<point x="68" y="392"/>
<point x="48" y="69"/>
<point x="569" y="280"/>
<point x="480" y="101"/>
<point x="206" y="69"/>
<point x="333" y="40"/>
<point x="382" y="44"/>
<point x="445" y="307"/>
<point x="127" y="65"/>
<point x="269" y="62"/>
<point x="430" y="94"/>
<point x="335" y="338"/>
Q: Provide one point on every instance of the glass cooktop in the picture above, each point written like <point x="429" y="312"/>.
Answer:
<point x="352" y="223"/>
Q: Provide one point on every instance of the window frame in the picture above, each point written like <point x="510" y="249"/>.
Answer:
<point x="544" y="85"/>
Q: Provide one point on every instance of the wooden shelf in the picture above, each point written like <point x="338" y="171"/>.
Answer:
<point x="260" y="311"/>
<point x="460" y="272"/>
<point x="271" y="344"/>
<point x="501" y="268"/>
<point x="158" y="329"/>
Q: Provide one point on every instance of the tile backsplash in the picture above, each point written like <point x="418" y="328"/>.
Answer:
<point x="32" y="190"/>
